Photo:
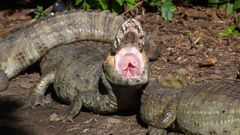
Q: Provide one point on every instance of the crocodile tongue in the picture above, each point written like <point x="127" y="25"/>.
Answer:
<point x="129" y="62"/>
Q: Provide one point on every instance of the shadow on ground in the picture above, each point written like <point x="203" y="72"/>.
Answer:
<point x="9" y="120"/>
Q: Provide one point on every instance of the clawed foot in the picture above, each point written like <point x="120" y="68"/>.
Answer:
<point x="36" y="99"/>
<point x="155" y="131"/>
<point x="63" y="118"/>
<point x="3" y="81"/>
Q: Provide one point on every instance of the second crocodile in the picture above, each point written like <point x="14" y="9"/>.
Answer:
<point x="205" y="109"/>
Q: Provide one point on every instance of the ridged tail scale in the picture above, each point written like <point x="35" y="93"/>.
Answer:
<point x="24" y="47"/>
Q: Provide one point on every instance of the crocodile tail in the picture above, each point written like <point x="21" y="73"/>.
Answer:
<point x="27" y="45"/>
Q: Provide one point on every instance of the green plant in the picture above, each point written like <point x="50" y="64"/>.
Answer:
<point x="115" y="5"/>
<point x="232" y="30"/>
<point x="92" y="4"/>
<point x="119" y="4"/>
<point x="166" y="7"/>
<point x="229" y="31"/>
<point x="229" y="5"/>
<point x="39" y="13"/>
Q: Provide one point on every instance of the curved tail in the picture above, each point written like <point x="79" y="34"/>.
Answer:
<point x="24" y="47"/>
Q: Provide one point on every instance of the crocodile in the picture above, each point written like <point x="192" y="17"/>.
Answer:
<point x="210" y="108"/>
<point x="103" y="79"/>
<point x="27" y="45"/>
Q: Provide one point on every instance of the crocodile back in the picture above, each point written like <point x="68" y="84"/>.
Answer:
<point x="53" y="59"/>
<point x="80" y="73"/>
<point x="210" y="108"/>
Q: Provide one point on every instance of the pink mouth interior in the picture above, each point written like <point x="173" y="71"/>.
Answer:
<point x="129" y="62"/>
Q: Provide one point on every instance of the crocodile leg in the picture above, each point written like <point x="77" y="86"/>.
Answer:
<point x="3" y="81"/>
<point x="36" y="96"/>
<point x="91" y="100"/>
<point x="169" y="115"/>
<point x="164" y="120"/>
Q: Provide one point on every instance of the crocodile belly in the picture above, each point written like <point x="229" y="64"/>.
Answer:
<point x="210" y="109"/>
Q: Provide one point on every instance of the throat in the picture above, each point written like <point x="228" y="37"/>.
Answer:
<point x="129" y="63"/>
<point x="129" y="69"/>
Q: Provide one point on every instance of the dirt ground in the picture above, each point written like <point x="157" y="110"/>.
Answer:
<point x="189" y="45"/>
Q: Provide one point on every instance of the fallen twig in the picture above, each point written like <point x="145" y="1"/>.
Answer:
<point x="137" y="5"/>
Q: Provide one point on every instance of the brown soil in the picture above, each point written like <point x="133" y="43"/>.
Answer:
<point x="189" y="46"/>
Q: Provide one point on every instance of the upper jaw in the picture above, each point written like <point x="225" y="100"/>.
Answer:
<point x="130" y="33"/>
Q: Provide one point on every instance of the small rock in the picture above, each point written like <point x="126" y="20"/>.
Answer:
<point x="53" y="116"/>
<point x="208" y="62"/>
<point x="217" y="72"/>
<point x="113" y="121"/>
<point x="182" y="71"/>
<point x="237" y="59"/>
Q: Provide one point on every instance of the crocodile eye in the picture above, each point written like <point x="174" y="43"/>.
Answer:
<point x="140" y="46"/>
<point x="116" y="44"/>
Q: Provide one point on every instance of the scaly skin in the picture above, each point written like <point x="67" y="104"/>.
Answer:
<point x="27" y="45"/>
<point x="53" y="59"/>
<point x="206" y="109"/>
<point x="24" y="47"/>
<point x="88" y="76"/>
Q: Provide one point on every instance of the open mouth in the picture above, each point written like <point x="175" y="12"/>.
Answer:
<point x="129" y="62"/>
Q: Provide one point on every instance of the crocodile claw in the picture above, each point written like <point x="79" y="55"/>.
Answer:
<point x="36" y="99"/>
<point x="155" y="131"/>
<point x="3" y="81"/>
<point x="62" y="117"/>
